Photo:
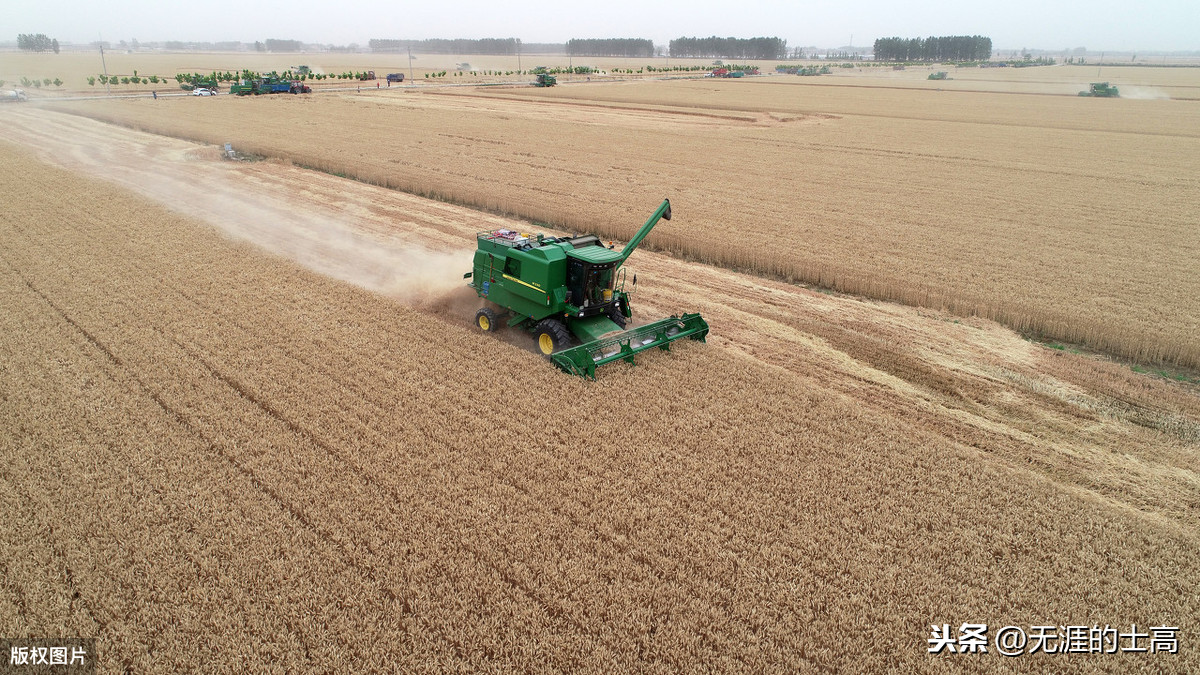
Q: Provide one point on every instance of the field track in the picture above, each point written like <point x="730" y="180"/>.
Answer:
<point x="222" y="456"/>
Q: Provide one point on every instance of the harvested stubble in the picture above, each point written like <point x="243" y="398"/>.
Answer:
<point x="217" y="460"/>
<point x="1050" y="214"/>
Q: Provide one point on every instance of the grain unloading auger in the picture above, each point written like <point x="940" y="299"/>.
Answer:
<point x="564" y="287"/>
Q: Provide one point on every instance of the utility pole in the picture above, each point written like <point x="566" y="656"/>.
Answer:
<point x="410" y="75"/>
<point x="107" y="91"/>
<point x="518" y="55"/>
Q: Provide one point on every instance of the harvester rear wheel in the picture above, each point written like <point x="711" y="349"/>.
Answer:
<point x="552" y="336"/>
<point x="486" y="320"/>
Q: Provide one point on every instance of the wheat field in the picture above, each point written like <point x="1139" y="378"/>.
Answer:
<point x="1062" y="217"/>
<point x="222" y="459"/>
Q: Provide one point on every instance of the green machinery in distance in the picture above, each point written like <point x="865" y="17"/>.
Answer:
<point x="545" y="80"/>
<point x="1101" y="90"/>
<point x="563" y="289"/>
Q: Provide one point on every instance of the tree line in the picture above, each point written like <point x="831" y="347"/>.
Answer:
<point x="946" y="48"/>
<point x="37" y="43"/>
<point x="273" y="45"/>
<point x="610" y="47"/>
<point x="730" y="48"/>
<point x="495" y="46"/>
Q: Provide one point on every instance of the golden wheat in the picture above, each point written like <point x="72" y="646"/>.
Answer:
<point x="217" y="460"/>
<point x="1058" y="216"/>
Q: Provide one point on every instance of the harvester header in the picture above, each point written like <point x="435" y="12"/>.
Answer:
<point x="567" y="289"/>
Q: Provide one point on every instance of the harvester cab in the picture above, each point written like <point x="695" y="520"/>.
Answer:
<point x="567" y="289"/>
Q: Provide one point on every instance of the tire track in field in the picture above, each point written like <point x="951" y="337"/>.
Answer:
<point x="287" y="506"/>
<point x="652" y="567"/>
<point x="116" y="363"/>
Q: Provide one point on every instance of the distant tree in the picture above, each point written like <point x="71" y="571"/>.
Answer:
<point x="730" y="48"/>
<point x="636" y="47"/>
<point x="47" y="81"/>
<point x="259" y="47"/>
<point x="946" y="48"/>
<point x="498" y="46"/>
<point x="36" y="43"/>
<point x="91" y="82"/>
<point x="58" y="82"/>
<point x="274" y="45"/>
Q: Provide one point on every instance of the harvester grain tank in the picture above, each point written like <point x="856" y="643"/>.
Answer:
<point x="570" y="288"/>
<point x="1101" y="90"/>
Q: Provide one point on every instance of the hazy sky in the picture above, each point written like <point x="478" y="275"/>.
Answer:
<point x="1012" y="24"/>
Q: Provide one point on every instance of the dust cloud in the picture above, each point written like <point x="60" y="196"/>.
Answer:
<point x="325" y="228"/>
<point x="1144" y="93"/>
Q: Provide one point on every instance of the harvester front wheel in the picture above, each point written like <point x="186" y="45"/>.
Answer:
<point x="617" y="317"/>
<point x="486" y="320"/>
<point x="551" y="336"/>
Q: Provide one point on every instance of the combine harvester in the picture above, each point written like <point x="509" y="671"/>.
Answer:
<point x="1101" y="90"/>
<point x="563" y="287"/>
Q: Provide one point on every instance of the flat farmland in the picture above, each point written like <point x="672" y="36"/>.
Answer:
<point x="225" y="458"/>
<point x="1064" y="217"/>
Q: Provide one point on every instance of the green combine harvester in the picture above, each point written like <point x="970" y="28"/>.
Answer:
<point x="563" y="289"/>
<point x="1101" y="90"/>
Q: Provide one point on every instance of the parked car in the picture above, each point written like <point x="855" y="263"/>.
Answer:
<point x="203" y="92"/>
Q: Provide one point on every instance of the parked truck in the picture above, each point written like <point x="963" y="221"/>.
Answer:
<point x="13" y="96"/>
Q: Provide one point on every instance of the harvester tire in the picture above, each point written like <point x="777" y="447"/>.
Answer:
<point x="617" y="317"/>
<point x="551" y="336"/>
<point x="486" y="320"/>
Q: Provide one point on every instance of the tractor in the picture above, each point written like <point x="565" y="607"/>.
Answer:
<point x="565" y="290"/>
<point x="1101" y="90"/>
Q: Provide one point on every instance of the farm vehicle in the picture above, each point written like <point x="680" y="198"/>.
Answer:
<point x="395" y="77"/>
<point x="1101" y="90"/>
<point x="568" y="289"/>
<point x="209" y="83"/>
<point x="545" y="80"/>
<point x="939" y="75"/>
<point x="269" y="85"/>
<point x="739" y="71"/>
<point x="13" y="96"/>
